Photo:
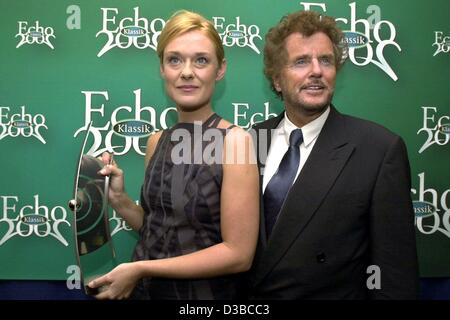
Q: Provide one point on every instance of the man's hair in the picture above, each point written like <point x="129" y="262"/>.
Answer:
<point x="184" y="21"/>
<point x="307" y="23"/>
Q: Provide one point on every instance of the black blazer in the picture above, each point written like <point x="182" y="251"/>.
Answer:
<point x="350" y="208"/>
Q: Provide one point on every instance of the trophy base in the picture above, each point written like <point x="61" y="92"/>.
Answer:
<point x="91" y="291"/>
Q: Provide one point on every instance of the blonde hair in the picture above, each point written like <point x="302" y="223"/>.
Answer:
<point x="184" y="21"/>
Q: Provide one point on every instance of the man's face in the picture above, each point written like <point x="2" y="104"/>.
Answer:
<point x="307" y="80"/>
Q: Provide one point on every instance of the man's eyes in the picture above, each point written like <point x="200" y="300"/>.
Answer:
<point x="326" y="61"/>
<point x="301" y="61"/>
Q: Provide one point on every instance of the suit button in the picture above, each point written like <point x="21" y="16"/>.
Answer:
<point x="321" y="257"/>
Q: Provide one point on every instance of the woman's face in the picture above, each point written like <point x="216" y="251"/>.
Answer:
<point x="190" y="70"/>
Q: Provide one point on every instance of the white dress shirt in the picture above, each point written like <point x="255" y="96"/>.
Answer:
<point x="280" y="144"/>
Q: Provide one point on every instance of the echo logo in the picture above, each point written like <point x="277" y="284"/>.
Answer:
<point x="136" y="31"/>
<point x="21" y="124"/>
<point x="441" y="42"/>
<point x="126" y="124"/>
<point x="34" y="34"/>
<point x="237" y="33"/>
<point x="34" y="219"/>
<point x="437" y="129"/>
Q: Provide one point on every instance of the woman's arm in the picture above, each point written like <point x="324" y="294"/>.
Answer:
<point x="239" y="228"/>
<point x="239" y="224"/>
<point x="118" y="198"/>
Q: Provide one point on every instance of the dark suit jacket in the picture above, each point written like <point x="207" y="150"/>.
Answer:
<point x="349" y="208"/>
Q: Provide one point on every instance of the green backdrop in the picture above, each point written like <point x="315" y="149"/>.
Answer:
<point x="66" y="63"/>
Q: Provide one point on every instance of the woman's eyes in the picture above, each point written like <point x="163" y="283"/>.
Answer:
<point x="201" y="60"/>
<point x="174" y="60"/>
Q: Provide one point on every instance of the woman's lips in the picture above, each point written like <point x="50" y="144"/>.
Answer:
<point x="187" y="88"/>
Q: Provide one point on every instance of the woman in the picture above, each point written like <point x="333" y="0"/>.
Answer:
<point x="198" y="221"/>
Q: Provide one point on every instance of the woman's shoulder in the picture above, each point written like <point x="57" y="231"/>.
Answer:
<point x="239" y="146"/>
<point x="154" y="138"/>
<point x="152" y="143"/>
<point x="234" y="131"/>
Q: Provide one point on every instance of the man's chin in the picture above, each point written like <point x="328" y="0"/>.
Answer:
<point x="315" y="108"/>
<point x="314" y="105"/>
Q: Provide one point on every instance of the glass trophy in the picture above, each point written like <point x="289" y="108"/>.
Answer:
<point x="93" y="244"/>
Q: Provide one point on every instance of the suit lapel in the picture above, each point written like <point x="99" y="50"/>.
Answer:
<point x="327" y="159"/>
<point x="262" y="140"/>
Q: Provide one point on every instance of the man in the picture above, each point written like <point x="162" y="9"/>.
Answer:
<point x="337" y="221"/>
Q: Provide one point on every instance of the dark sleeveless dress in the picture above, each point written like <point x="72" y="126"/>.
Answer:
<point x="181" y="200"/>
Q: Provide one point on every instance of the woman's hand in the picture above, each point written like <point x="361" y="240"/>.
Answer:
<point x="118" y="198"/>
<point x="119" y="283"/>
<point x="116" y="182"/>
